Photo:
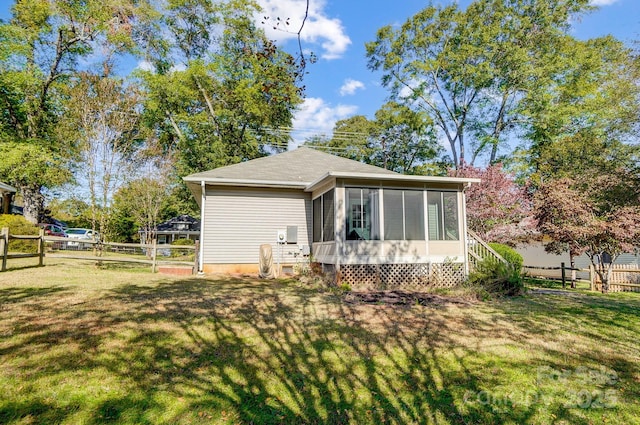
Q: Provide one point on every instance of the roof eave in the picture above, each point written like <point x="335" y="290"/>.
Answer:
<point x="6" y="188"/>
<point x="194" y="182"/>
<point x="389" y="177"/>
<point x="247" y="182"/>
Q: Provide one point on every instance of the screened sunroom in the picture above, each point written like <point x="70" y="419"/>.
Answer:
<point x="381" y="229"/>
<point x="368" y="225"/>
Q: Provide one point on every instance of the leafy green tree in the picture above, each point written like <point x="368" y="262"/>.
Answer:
<point x="138" y="206"/>
<point x="404" y="139"/>
<point x="351" y="138"/>
<point x="40" y="49"/>
<point x="470" y="69"/>
<point x="398" y="139"/>
<point x="587" y="116"/>
<point x="73" y="211"/>
<point x="103" y="118"/>
<point x="220" y="91"/>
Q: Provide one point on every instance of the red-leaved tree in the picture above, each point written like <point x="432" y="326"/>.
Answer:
<point x="498" y="209"/>
<point x="584" y="220"/>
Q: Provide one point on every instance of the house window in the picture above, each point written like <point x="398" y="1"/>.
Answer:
<point x="442" y="215"/>
<point x="358" y="216"/>
<point x="363" y="217"/>
<point x="403" y="215"/>
<point x="324" y="217"/>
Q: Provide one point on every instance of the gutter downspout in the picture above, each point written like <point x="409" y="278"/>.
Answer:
<point x="465" y="228"/>
<point x="202" y="208"/>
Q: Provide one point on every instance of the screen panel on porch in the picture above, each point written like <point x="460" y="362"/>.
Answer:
<point x="403" y="215"/>
<point x="442" y="210"/>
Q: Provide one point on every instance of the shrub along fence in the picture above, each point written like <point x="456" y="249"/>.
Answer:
<point x="184" y="257"/>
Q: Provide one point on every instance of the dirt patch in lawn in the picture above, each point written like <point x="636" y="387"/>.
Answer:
<point x="403" y="298"/>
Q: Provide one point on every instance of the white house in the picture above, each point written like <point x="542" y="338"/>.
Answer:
<point x="366" y="224"/>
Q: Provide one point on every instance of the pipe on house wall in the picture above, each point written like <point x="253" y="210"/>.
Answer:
<point x="202" y="209"/>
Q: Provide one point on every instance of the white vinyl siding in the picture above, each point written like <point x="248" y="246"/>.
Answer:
<point x="238" y="221"/>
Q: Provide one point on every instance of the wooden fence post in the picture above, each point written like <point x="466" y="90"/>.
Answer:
<point x="564" y="275"/>
<point x="4" y="238"/>
<point x="41" y="249"/>
<point x="154" y="254"/>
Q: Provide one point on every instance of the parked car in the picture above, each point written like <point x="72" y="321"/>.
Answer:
<point x="81" y="235"/>
<point x="53" y="230"/>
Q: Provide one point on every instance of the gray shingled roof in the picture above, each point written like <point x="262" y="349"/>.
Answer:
<point x="302" y="165"/>
<point x="172" y="224"/>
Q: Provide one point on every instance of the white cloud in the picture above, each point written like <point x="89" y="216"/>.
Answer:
<point x="178" y="67"/>
<point x="350" y="86"/>
<point x="603" y="2"/>
<point x="407" y="91"/>
<point x="318" y="28"/>
<point x="145" y="65"/>
<point x="316" y="117"/>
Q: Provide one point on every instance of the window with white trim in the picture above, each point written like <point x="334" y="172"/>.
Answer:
<point x="363" y="213"/>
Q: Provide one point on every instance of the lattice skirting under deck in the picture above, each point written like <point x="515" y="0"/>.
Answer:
<point x="414" y="276"/>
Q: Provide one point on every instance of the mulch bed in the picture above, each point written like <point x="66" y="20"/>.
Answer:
<point x="395" y="297"/>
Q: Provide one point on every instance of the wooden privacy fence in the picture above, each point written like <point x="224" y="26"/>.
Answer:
<point x="155" y="255"/>
<point x="623" y="278"/>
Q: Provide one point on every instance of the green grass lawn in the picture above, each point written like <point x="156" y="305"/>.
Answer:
<point x="82" y="345"/>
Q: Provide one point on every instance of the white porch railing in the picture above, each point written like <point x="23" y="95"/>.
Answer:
<point x="479" y="250"/>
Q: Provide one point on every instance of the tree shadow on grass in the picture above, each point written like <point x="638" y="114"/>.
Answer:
<point x="243" y="351"/>
<point x="273" y="357"/>
<point x="12" y="268"/>
<point x="34" y="411"/>
<point x="16" y="295"/>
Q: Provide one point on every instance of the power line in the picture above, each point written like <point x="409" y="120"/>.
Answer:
<point x="289" y="130"/>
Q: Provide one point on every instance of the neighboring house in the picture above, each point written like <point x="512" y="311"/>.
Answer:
<point x="364" y="223"/>
<point x="534" y="255"/>
<point x="6" y="197"/>
<point x="181" y="227"/>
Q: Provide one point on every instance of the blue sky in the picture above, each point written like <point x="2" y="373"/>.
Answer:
<point x="339" y="85"/>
